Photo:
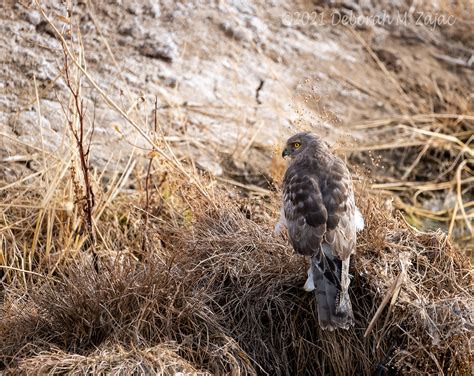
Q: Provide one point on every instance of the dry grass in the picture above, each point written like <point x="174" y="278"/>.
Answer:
<point x="184" y="275"/>
<point x="424" y="155"/>
<point x="215" y="292"/>
<point x="433" y="177"/>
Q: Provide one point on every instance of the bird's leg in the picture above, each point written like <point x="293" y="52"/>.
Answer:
<point x="281" y="222"/>
<point x="309" y="285"/>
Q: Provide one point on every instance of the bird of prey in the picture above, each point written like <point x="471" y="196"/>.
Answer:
<point x="321" y="217"/>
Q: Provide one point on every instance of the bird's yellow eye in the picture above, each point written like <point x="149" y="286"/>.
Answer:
<point x="296" y="145"/>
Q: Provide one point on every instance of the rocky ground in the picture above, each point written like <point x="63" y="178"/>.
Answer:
<point x="233" y="78"/>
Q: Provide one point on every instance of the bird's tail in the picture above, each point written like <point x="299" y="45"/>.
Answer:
<point x="334" y="305"/>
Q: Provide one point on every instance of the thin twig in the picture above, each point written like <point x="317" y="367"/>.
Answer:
<point x="173" y="161"/>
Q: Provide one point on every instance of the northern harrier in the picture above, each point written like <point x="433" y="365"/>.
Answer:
<point x="322" y="220"/>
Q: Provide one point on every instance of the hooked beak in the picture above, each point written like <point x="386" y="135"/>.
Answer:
<point x="285" y="153"/>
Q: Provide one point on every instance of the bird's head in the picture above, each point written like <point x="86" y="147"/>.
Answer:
<point x="300" y="142"/>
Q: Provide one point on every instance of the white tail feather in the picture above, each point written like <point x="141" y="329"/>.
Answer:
<point x="359" y="220"/>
